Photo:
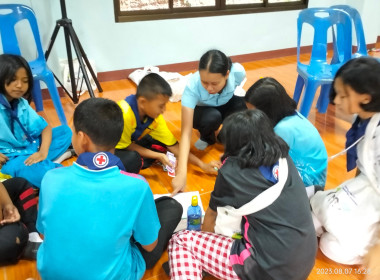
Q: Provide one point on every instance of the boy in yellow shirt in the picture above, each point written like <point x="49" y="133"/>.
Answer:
<point x="146" y="137"/>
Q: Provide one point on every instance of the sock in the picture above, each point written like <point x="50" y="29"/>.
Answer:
<point x="65" y="155"/>
<point x="34" y="237"/>
<point x="201" y="145"/>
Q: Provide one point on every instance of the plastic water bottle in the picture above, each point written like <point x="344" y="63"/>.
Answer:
<point x="194" y="215"/>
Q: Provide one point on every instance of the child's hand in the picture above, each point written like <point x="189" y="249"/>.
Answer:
<point x="3" y="159"/>
<point x="163" y="158"/>
<point x="36" y="157"/>
<point x="10" y="214"/>
<point x="211" y="167"/>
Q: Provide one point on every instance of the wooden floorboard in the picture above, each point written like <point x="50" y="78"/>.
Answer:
<point x="332" y="127"/>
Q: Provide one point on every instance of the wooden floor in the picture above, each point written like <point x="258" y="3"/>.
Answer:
<point x="332" y="127"/>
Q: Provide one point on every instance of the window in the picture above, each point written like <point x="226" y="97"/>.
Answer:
<point x="135" y="10"/>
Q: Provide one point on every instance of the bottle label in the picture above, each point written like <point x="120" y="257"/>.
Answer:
<point x="195" y="222"/>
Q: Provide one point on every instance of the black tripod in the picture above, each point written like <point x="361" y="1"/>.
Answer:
<point x="81" y="55"/>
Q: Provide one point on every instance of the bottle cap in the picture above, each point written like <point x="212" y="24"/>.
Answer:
<point x="194" y="201"/>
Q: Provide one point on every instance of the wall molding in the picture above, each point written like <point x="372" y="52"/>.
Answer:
<point x="192" y="65"/>
<point x="188" y="66"/>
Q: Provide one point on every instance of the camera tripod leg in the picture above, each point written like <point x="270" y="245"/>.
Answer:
<point x="59" y="24"/>
<point x="52" y="40"/>
<point x="87" y="61"/>
<point x="70" y="34"/>
<point x="81" y="56"/>
<point x="71" y="66"/>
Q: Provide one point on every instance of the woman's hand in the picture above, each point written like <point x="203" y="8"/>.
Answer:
<point x="178" y="183"/>
<point x="3" y="159"/>
<point x="10" y="214"/>
<point x="36" y="157"/>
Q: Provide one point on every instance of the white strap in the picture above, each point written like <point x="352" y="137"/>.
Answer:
<point x="345" y="150"/>
<point x="268" y="196"/>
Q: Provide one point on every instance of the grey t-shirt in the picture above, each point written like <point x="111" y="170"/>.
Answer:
<point x="282" y="236"/>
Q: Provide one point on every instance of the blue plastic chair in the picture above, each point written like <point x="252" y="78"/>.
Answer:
<point x="361" y="46"/>
<point x="10" y="15"/>
<point x="361" y="49"/>
<point x="320" y="72"/>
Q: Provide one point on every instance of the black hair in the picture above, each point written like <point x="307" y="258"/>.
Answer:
<point x="363" y="76"/>
<point x="9" y="65"/>
<point x="249" y="136"/>
<point x="214" y="61"/>
<point x="101" y="119"/>
<point x="269" y="96"/>
<point x="152" y="85"/>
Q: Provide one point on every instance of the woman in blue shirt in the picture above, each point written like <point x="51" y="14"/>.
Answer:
<point x="207" y="100"/>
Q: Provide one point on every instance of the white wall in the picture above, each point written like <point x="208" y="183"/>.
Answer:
<point x="116" y="46"/>
<point x="369" y="11"/>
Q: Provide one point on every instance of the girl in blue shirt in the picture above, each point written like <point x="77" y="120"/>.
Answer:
<point x="307" y="149"/>
<point x="207" y="100"/>
<point x="27" y="142"/>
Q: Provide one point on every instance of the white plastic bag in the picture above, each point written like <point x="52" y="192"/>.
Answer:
<point x="176" y="81"/>
<point x="79" y="79"/>
<point x="137" y="75"/>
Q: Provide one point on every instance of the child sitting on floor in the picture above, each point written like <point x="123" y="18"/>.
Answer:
<point x="100" y="222"/>
<point x="347" y="217"/>
<point x="279" y="241"/>
<point x="146" y="136"/>
<point x="18" y="213"/>
<point x="28" y="145"/>
<point x="306" y="147"/>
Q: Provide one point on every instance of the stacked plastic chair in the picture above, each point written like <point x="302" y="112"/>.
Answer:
<point x="319" y="72"/>
<point x="10" y="15"/>
<point x="361" y="47"/>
